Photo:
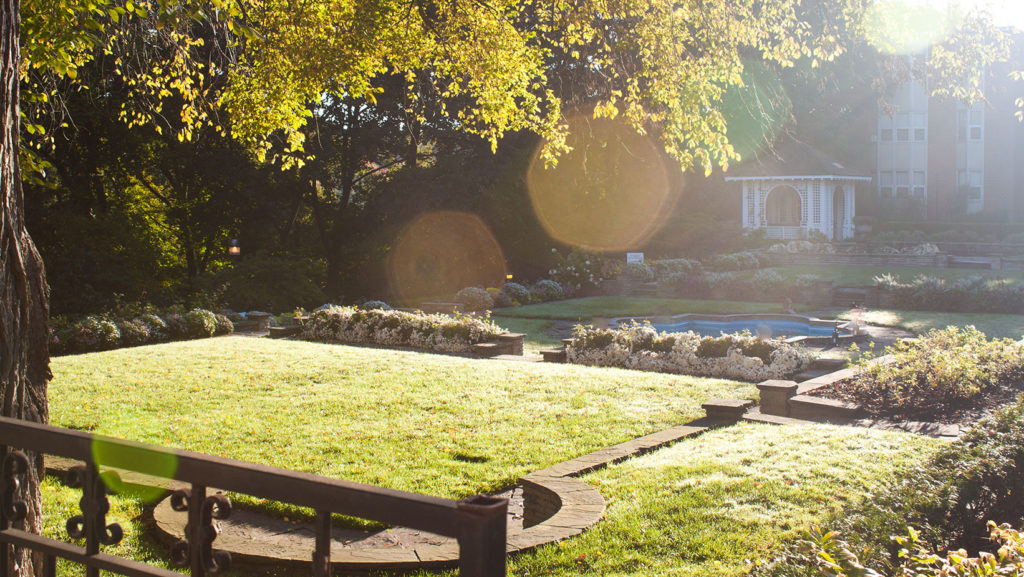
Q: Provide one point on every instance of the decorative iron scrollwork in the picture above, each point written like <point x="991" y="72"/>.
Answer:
<point x="214" y="507"/>
<point x="14" y="465"/>
<point x="94" y="506"/>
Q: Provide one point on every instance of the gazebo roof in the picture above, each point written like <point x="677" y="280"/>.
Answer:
<point x="794" y="160"/>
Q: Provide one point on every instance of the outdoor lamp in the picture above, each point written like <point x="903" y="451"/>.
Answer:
<point x="233" y="248"/>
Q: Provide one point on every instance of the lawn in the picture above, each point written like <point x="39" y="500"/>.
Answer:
<point x="993" y="325"/>
<point x="442" y="425"/>
<point x="712" y="505"/>
<point x="536" y="331"/>
<point x="854" y="275"/>
<point x="585" y="309"/>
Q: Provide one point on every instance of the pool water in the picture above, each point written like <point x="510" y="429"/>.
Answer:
<point x="768" y="328"/>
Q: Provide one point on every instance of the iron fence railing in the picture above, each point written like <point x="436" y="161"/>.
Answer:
<point x="477" y="523"/>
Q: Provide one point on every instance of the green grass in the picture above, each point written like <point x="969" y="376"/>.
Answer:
<point x="585" y="309"/>
<point x="711" y="505"/>
<point x="536" y="331"/>
<point x="993" y="325"/>
<point x="855" y="275"/>
<point x="436" y="424"/>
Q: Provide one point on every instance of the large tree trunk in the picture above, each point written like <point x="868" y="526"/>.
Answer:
<point x="24" y="298"/>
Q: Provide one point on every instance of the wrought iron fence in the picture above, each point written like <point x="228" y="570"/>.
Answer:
<point x="478" y="523"/>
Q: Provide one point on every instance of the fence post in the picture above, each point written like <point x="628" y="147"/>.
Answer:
<point x="482" y="540"/>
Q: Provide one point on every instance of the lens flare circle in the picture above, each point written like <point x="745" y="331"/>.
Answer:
<point x="610" y="193"/>
<point x="440" y="253"/>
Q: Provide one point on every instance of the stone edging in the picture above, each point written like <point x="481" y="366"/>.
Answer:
<point x="557" y="507"/>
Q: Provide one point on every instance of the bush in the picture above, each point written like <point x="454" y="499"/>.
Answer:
<point x="546" y="290"/>
<point x="639" y="346"/>
<point x="224" y="325"/>
<point x="517" y="293"/>
<point x="664" y="269"/>
<point x="501" y="300"/>
<point x="943" y="367"/>
<point x="737" y="261"/>
<point x="969" y="294"/>
<point x="133" y="333"/>
<point x="474" y="299"/>
<point x="398" y="328"/>
<point x="637" y="272"/>
<point x="158" y="331"/>
<point x="580" y="269"/>
<point x="768" y="282"/>
<point x="200" y="323"/>
<point x="177" y="328"/>
<point x="94" y="333"/>
<point x="376" y="305"/>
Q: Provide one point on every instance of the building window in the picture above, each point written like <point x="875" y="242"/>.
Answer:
<point x="975" y="133"/>
<point x="885" y="184"/>
<point x="919" y="134"/>
<point x="919" y="183"/>
<point x="902" y="183"/>
<point x="902" y="134"/>
<point x="886" y="135"/>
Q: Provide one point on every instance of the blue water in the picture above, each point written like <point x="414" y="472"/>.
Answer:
<point x="762" y="327"/>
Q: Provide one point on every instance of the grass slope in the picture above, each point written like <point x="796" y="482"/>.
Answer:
<point x="442" y="425"/>
<point x="716" y="504"/>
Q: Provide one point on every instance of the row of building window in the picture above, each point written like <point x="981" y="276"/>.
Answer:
<point x="899" y="183"/>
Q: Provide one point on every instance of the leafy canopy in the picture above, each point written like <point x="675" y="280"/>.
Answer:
<point x="662" y="66"/>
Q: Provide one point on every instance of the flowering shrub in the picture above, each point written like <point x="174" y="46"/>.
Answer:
<point x="177" y="328"/>
<point x="500" y="299"/>
<point x="474" y="298"/>
<point x="738" y="261"/>
<point x="546" y="290"/>
<point x="942" y="367"/>
<point x="158" y="331"/>
<point x="637" y="272"/>
<point x="437" y="332"/>
<point x="639" y="346"/>
<point x="768" y="281"/>
<point x="200" y="323"/>
<point x="224" y="325"/>
<point x="133" y="333"/>
<point x="580" y="269"/>
<point x="517" y="293"/>
<point x="970" y="294"/>
<point x="375" y="305"/>
<point x="94" y="333"/>
<point x="664" y="269"/>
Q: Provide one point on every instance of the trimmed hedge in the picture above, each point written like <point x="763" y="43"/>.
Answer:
<point x="101" y="332"/>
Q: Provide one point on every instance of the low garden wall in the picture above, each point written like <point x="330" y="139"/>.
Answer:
<point x="787" y="259"/>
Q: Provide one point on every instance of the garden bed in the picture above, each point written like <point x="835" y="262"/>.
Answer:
<point x="952" y="376"/>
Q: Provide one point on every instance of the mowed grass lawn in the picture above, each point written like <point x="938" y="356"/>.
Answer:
<point x="992" y="324"/>
<point x="435" y="424"/>
<point x="585" y="309"/>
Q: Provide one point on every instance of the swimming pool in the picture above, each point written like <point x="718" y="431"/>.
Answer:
<point x="768" y="326"/>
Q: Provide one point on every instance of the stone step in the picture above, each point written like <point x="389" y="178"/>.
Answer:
<point x="488" y="350"/>
<point x="282" y="332"/>
<point x="554" y="356"/>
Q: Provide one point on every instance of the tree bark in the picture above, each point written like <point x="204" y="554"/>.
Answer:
<point x="24" y="297"/>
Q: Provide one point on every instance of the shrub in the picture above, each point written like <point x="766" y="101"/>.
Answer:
<point x="580" y="269"/>
<point x="474" y="299"/>
<point x="501" y="300"/>
<point x="158" y="331"/>
<point x="546" y="290"/>
<point x="133" y="332"/>
<point x="736" y="261"/>
<point x="94" y="333"/>
<point x="664" y="269"/>
<point x="969" y="294"/>
<point x="177" y="328"/>
<point x="637" y="272"/>
<point x="640" y="346"/>
<point x="517" y="293"/>
<point x="768" y="282"/>
<point x="224" y="325"/>
<point x="399" y="328"/>
<point x="200" y="323"/>
<point x="944" y="367"/>
<point x="685" y="286"/>
<point x="376" y="305"/>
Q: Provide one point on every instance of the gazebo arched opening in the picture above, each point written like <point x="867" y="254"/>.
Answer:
<point x="838" y="213"/>
<point x="782" y="207"/>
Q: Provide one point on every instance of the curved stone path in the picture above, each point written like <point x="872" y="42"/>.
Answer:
<point x="548" y="505"/>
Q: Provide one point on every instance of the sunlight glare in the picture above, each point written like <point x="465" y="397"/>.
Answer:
<point x="911" y="26"/>
<point x="611" y="193"/>
<point x="440" y="253"/>
<point x="162" y="465"/>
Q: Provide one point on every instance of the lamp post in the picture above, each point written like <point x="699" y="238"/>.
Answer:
<point x="234" y="250"/>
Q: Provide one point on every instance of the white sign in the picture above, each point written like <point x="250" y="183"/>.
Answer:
<point x="635" y="257"/>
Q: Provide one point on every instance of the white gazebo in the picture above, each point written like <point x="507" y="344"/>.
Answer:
<point x="797" y="190"/>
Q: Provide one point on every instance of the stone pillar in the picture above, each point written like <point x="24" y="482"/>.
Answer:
<point x="775" y="397"/>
